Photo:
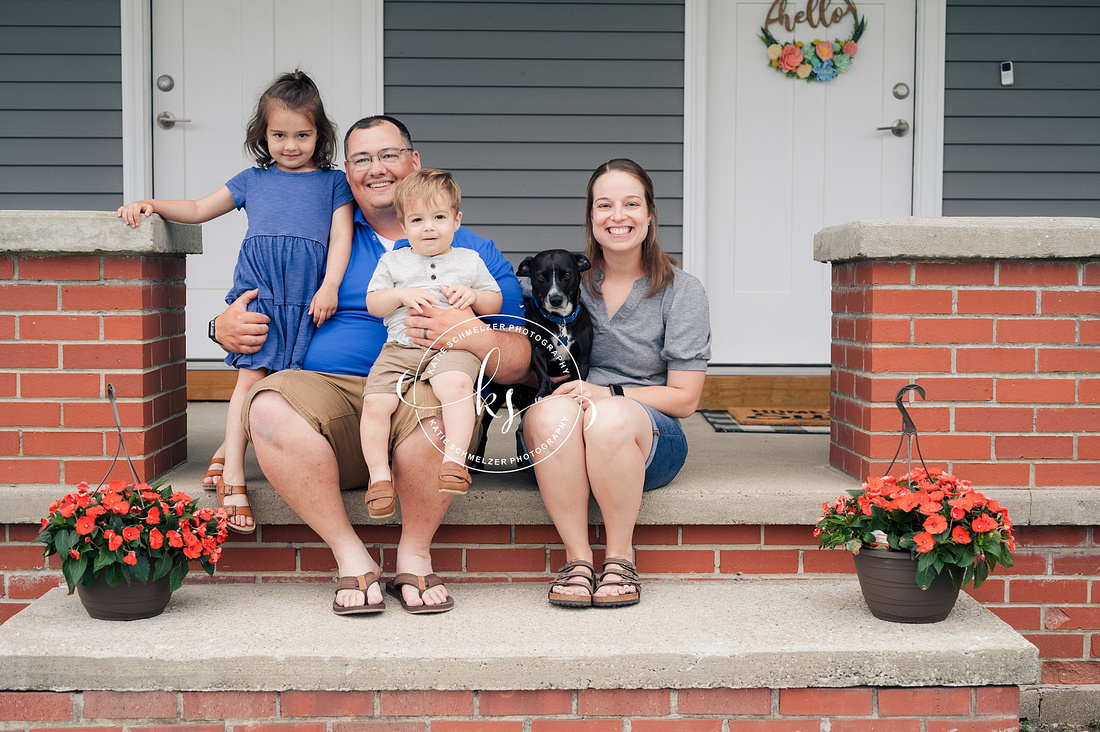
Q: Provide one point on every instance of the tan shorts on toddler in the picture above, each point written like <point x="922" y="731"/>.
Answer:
<point x="396" y="361"/>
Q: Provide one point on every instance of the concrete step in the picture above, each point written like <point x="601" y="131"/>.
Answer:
<point x="684" y="634"/>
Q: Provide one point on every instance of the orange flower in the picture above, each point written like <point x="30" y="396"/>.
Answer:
<point x="85" y="525"/>
<point x="965" y="502"/>
<point x="74" y="554"/>
<point x="130" y="558"/>
<point x="114" y="541"/>
<point x="925" y="542"/>
<point x="67" y="508"/>
<point x="906" y="502"/>
<point x="131" y="533"/>
<point x="930" y="508"/>
<point x="960" y="535"/>
<point x="935" y="524"/>
<point x="156" y="539"/>
<point x="983" y="524"/>
<point x="115" y="502"/>
<point x="154" y="516"/>
<point x="174" y="539"/>
<point x="957" y="513"/>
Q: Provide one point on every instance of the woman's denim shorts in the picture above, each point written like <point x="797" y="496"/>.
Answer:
<point x="666" y="455"/>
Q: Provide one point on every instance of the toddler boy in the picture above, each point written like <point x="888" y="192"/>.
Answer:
<point x="427" y="273"/>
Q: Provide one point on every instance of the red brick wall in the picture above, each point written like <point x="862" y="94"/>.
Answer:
<point x="1051" y="596"/>
<point x="69" y="325"/>
<point x="1008" y="352"/>
<point x="964" y="709"/>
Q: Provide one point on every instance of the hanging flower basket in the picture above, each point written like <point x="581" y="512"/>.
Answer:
<point x="130" y="539"/>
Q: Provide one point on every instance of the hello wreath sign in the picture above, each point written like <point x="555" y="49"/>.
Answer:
<point x="823" y="59"/>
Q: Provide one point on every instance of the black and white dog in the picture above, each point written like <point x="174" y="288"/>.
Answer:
<point x="563" y="343"/>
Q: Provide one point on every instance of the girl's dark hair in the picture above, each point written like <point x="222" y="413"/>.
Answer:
<point x="297" y="92"/>
<point x="655" y="262"/>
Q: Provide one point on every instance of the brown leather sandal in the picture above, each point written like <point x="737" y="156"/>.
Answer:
<point x="212" y="472"/>
<point x="235" y="490"/>
<point x="629" y="574"/>
<point x="568" y="576"/>
<point x="361" y="583"/>
<point x="381" y="499"/>
<point x="421" y="584"/>
<point x="453" y="478"/>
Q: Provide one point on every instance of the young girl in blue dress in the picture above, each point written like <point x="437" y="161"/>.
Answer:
<point x="295" y="252"/>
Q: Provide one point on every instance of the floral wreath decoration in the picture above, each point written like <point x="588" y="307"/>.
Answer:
<point x="820" y="61"/>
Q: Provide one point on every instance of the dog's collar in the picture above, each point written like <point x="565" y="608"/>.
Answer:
<point x="557" y="318"/>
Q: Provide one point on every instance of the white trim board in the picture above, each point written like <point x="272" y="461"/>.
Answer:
<point x="137" y="135"/>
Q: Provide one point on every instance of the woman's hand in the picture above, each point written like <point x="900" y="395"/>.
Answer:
<point x="582" y="392"/>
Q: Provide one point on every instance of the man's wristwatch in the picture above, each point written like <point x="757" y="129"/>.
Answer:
<point x="616" y="390"/>
<point x="212" y="331"/>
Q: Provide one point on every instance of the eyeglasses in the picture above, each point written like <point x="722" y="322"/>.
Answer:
<point x="388" y="157"/>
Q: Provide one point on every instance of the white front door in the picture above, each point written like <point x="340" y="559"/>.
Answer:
<point x="217" y="57"/>
<point x="785" y="158"/>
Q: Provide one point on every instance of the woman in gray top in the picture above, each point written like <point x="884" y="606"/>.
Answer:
<point x="651" y="326"/>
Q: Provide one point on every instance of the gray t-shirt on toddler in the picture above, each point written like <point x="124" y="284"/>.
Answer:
<point x="405" y="268"/>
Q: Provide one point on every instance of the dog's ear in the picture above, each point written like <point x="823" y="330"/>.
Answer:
<point x="583" y="265"/>
<point x="524" y="268"/>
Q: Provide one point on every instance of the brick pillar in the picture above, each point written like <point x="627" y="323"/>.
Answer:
<point x="998" y="320"/>
<point x="84" y="302"/>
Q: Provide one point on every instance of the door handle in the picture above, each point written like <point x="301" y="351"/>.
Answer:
<point x="900" y="128"/>
<point x="167" y="121"/>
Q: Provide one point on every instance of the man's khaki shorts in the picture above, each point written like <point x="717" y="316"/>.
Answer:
<point x="332" y="404"/>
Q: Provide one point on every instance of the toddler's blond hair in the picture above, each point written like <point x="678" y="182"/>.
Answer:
<point x="426" y="184"/>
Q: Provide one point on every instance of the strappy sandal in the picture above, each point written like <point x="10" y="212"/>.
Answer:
<point x="453" y="478"/>
<point x="629" y="578"/>
<point x="381" y="499"/>
<point x="361" y="583"/>
<point x="235" y="490"/>
<point x="212" y="472"/>
<point x="568" y="576"/>
<point x="421" y="584"/>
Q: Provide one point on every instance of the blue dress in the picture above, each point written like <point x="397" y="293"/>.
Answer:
<point x="283" y="254"/>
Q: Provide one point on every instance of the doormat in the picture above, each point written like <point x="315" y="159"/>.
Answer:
<point x="722" y="421"/>
<point x="781" y="417"/>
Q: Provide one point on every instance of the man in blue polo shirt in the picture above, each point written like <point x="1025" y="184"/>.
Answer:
<point x="304" y="424"/>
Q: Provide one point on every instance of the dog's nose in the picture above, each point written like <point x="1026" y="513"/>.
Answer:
<point x="556" y="300"/>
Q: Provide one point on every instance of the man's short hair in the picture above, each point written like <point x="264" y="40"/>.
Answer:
<point x="426" y="184"/>
<point x="367" y="122"/>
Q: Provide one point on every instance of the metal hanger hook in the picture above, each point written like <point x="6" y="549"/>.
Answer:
<point x="907" y="426"/>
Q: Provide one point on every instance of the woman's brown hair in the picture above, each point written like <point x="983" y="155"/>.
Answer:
<point x="656" y="263"/>
<point x="297" y="92"/>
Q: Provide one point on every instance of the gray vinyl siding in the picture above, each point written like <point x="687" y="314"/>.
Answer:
<point x="523" y="99"/>
<point x="60" y="104"/>
<point x="1032" y="149"/>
